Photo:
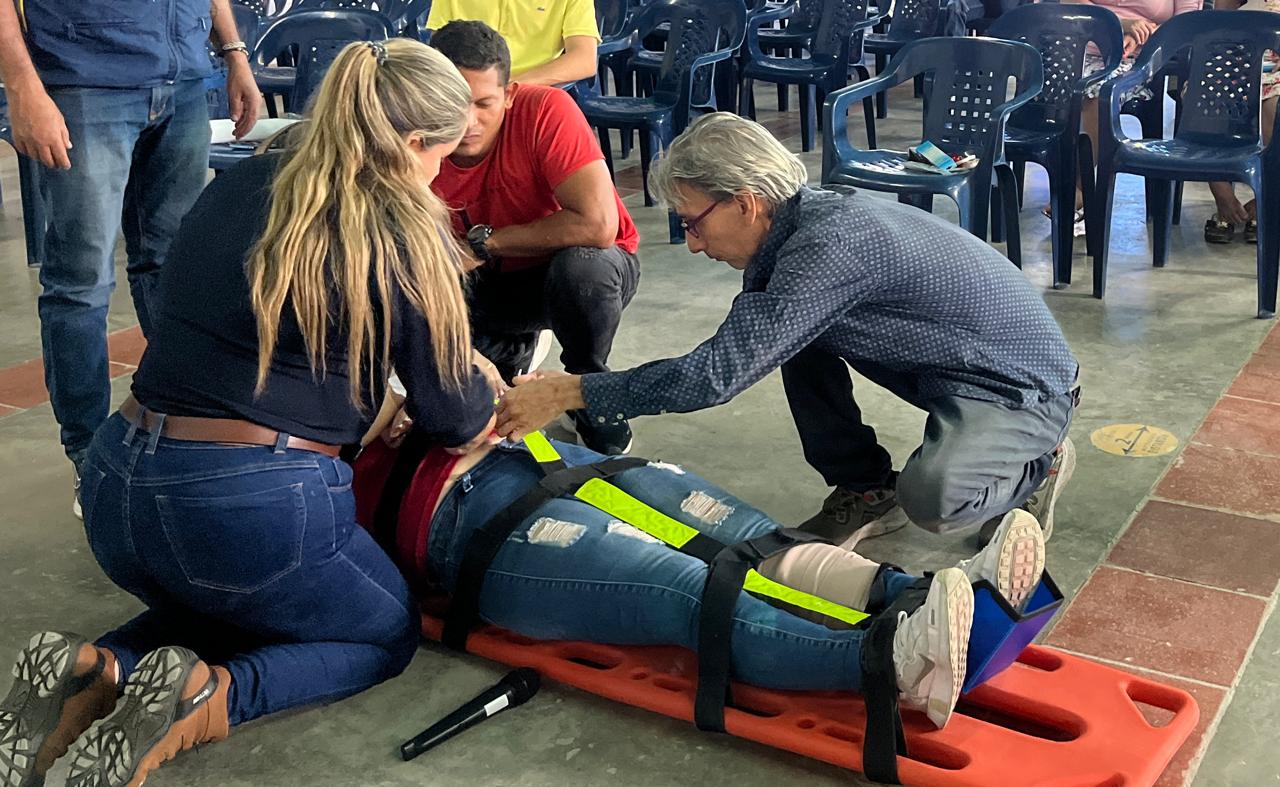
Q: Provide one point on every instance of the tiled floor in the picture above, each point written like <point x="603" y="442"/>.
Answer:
<point x="1171" y="562"/>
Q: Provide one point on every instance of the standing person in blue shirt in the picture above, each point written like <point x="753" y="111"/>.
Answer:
<point x="110" y="99"/>
<point x="829" y="281"/>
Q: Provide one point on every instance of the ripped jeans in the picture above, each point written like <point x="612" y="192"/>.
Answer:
<point x="572" y="571"/>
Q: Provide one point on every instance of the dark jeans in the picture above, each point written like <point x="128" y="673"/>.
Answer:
<point x="252" y="559"/>
<point x="139" y="160"/>
<point x="978" y="459"/>
<point x="579" y="295"/>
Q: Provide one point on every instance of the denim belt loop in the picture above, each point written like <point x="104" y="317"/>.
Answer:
<point x="155" y="433"/>
<point x="133" y="426"/>
<point x="282" y="442"/>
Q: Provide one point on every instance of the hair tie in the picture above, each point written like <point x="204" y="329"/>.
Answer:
<point x="379" y="50"/>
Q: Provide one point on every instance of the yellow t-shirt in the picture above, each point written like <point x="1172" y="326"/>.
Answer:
<point x="535" y="29"/>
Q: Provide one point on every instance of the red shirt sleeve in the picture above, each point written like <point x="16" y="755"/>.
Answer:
<point x="563" y="141"/>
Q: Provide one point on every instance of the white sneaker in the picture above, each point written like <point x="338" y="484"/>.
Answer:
<point x="1042" y="502"/>
<point x="75" y="501"/>
<point x="1013" y="560"/>
<point x="540" y="350"/>
<point x="931" y="646"/>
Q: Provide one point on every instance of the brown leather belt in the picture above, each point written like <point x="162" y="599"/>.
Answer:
<point x="215" y="430"/>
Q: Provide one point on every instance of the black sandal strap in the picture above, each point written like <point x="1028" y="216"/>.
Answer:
<point x="189" y="706"/>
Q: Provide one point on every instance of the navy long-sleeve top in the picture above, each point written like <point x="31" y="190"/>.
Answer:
<point x="875" y="283"/>
<point x="202" y="351"/>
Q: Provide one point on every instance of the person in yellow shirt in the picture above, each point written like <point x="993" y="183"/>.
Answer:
<point x="553" y="42"/>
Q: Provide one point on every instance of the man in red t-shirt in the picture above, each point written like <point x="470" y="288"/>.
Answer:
<point x="533" y="197"/>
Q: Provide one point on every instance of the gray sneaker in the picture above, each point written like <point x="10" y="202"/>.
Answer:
<point x="848" y="517"/>
<point x="1042" y="502"/>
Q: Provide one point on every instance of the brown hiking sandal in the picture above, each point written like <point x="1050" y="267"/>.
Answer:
<point x="172" y="702"/>
<point x="61" y="685"/>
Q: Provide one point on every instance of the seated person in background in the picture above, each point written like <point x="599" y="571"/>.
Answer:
<point x="534" y="199"/>
<point x="572" y="571"/>
<point x="553" y="42"/>
<point x="1221" y="226"/>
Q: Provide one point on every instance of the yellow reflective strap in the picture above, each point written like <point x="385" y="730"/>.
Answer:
<point x="615" y="502"/>
<point x="759" y="583"/>
<point x="541" y="448"/>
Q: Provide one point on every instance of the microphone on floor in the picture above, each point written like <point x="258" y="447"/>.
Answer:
<point x="515" y="688"/>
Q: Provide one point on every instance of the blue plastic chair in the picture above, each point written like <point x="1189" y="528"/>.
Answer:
<point x="793" y="39"/>
<point x="1047" y="130"/>
<point x="703" y="33"/>
<point x="644" y="63"/>
<point x="1218" y="136"/>
<point x="912" y="20"/>
<point x="317" y="36"/>
<point x="965" y="112"/>
<point x="35" y="219"/>
<point x="835" y="45"/>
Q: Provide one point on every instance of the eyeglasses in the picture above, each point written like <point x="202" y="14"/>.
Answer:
<point x="691" y="225"/>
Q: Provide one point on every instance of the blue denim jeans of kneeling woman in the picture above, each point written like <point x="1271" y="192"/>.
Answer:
<point x="251" y="558"/>
<point x="572" y="571"/>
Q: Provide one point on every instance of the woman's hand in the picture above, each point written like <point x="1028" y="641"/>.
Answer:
<point x="490" y="373"/>
<point x="486" y="436"/>
<point x="1137" y="34"/>
<point x="536" y="400"/>
<point x="394" y="434"/>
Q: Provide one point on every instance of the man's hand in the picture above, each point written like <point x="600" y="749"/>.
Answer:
<point x="243" y="95"/>
<point x="39" y="131"/>
<point x="536" y="400"/>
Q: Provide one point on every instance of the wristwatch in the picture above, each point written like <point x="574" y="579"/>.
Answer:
<point x="477" y="237"/>
<point x="233" y="46"/>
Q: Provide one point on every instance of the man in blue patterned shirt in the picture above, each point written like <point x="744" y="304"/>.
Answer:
<point x="911" y="302"/>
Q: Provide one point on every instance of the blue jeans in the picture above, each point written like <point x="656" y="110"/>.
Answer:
<point x="139" y="159"/>
<point x="252" y="559"/>
<point x="570" y="572"/>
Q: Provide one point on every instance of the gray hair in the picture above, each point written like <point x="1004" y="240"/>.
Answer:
<point x="723" y="155"/>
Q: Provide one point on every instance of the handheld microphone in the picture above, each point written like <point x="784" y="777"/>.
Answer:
<point x="514" y="689"/>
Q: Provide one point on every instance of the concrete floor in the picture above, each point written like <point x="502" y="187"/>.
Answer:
<point x="1161" y="349"/>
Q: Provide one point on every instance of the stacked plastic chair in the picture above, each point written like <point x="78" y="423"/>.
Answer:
<point x="835" y="44"/>
<point x="703" y="33"/>
<point x="1046" y="130"/>
<point x="1218" y="135"/>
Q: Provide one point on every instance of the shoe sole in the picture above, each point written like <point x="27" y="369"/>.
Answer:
<point x="33" y="708"/>
<point x="1020" y="558"/>
<point x="1065" y="471"/>
<point x="950" y="599"/>
<point x="892" y="521"/>
<point x="541" y="349"/>
<point x="123" y="745"/>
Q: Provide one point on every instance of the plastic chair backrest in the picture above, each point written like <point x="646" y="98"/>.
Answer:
<point x="319" y="36"/>
<point x="697" y="28"/>
<point x="1223" y="62"/>
<point x="970" y="79"/>
<point x="808" y="15"/>
<point x="1061" y="32"/>
<point x="248" y="23"/>
<point x="914" y="19"/>
<point x="835" y="26"/>
<point x="612" y="17"/>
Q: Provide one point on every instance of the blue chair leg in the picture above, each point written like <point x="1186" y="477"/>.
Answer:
<point x="647" y="148"/>
<point x="35" y="218"/>
<point x="882" y="98"/>
<point x="1020" y="172"/>
<point x="606" y="147"/>
<point x="808" y="117"/>
<point x="923" y="201"/>
<point x="1088" y="192"/>
<point x="1062" y="204"/>
<point x="974" y="202"/>
<point x="747" y="106"/>
<point x="1161" y="220"/>
<point x="1105" y="199"/>
<point x="1009" y="203"/>
<point x="997" y="215"/>
<point x="1268" y="204"/>
<point x="1177" y="202"/>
